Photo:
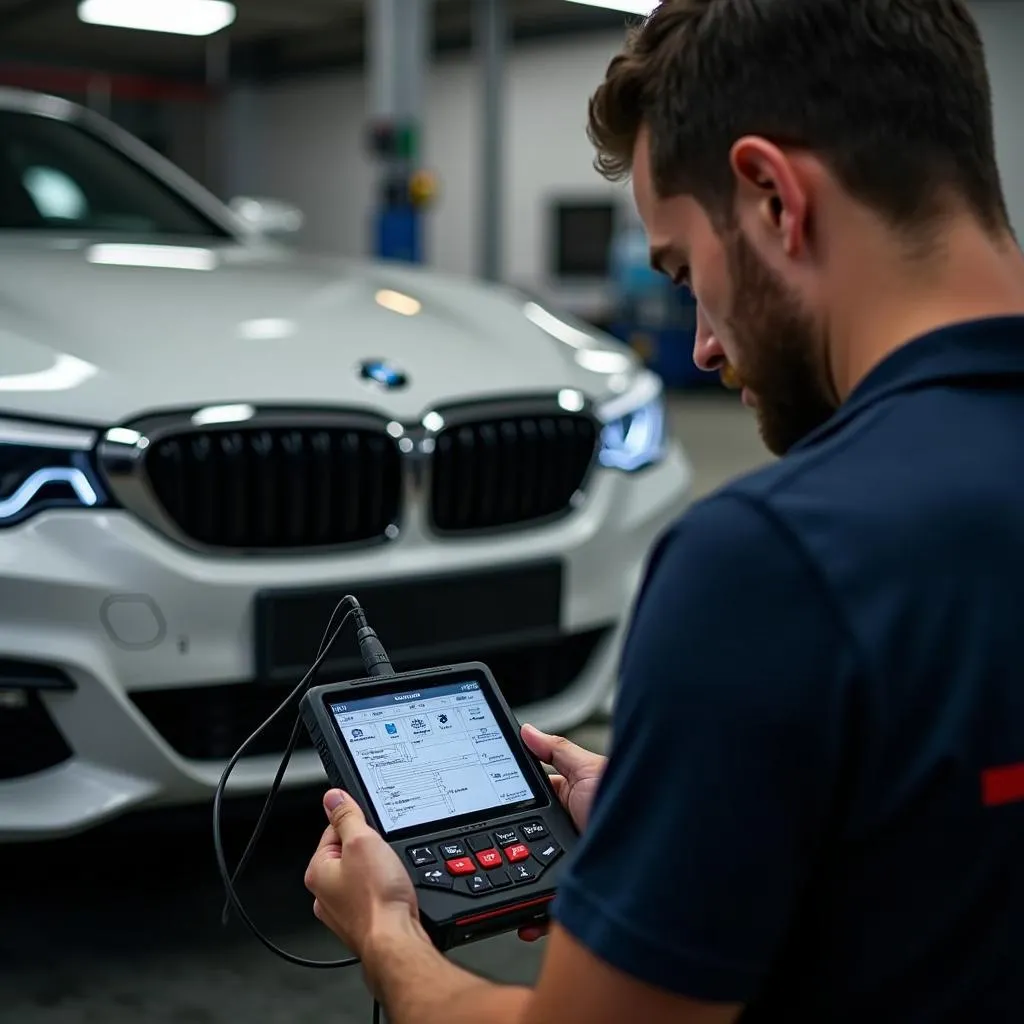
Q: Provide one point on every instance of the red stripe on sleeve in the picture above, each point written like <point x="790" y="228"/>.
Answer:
<point x="1002" y="785"/>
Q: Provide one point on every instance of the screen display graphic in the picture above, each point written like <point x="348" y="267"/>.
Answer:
<point x="425" y="756"/>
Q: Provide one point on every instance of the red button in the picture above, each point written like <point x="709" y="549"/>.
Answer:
<point x="461" y="866"/>
<point x="517" y="852"/>
<point x="489" y="859"/>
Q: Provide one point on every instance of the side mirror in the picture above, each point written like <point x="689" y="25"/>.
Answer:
<point x="268" y="217"/>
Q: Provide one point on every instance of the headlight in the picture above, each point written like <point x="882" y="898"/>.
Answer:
<point x="634" y="426"/>
<point x="45" y="467"/>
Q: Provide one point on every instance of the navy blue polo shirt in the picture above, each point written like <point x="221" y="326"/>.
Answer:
<point x="814" y="803"/>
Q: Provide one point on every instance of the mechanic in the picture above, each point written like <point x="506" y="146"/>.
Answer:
<point x="813" y="808"/>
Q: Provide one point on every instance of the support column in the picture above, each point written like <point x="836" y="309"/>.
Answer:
<point x="398" y="49"/>
<point x="491" y="28"/>
<point x="221" y="143"/>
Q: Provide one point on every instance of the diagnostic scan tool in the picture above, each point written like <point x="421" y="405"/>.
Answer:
<point x="435" y="760"/>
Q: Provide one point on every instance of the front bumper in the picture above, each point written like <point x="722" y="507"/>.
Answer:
<point x="121" y="614"/>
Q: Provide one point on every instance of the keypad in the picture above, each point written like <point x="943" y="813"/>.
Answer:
<point x="449" y="851"/>
<point x="478" y="884"/>
<point x="546" y="851"/>
<point x="434" y="878"/>
<point x="522" y="873"/>
<point x="489" y="859"/>
<point x="481" y="863"/>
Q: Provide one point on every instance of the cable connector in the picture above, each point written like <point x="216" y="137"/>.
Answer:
<point x="375" y="658"/>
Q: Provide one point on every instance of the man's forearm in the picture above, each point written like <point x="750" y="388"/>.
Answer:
<point x="417" y="985"/>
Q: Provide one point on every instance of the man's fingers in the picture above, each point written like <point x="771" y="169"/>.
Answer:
<point x="565" y="756"/>
<point x="344" y="813"/>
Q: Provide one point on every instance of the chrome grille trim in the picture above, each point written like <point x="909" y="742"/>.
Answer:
<point x="125" y="451"/>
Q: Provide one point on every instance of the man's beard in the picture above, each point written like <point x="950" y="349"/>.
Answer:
<point x="778" y="344"/>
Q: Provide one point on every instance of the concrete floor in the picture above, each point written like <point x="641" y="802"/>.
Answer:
<point x="123" y="926"/>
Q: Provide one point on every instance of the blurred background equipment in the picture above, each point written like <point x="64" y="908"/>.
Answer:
<point x="655" y="317"/>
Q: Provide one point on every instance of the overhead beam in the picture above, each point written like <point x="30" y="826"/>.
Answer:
<point x="451" y="37"/>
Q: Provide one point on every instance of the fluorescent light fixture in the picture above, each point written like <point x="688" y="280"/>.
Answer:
<point x="164" y="257"/>
<point x="406" y="305"/>
<point x="179" y="17"/>
<point x="642" y="7"/>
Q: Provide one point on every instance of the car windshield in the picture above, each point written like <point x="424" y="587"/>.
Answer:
<point x="57" y="176"/>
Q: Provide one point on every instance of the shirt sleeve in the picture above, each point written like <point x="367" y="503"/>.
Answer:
<point x="724" y="753"/>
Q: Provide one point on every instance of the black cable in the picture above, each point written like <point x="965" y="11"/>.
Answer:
<point x="293" y="740"/>
<point x="377" y="663"/>
<point x="218" y="797"/>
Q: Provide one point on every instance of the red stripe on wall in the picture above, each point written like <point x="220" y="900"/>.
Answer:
<point x="1003" y="785"/>
<point x="68" y="81"/>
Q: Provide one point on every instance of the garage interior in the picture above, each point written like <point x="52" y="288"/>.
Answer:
<point x="443" y="134"/>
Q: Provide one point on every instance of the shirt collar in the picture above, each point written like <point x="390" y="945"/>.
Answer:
<point x="969" y="351"/>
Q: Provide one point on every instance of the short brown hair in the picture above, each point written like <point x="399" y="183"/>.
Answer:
<point x="893" y="94"/>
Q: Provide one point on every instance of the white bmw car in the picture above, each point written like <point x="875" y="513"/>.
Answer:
<point x="207" y="438"/>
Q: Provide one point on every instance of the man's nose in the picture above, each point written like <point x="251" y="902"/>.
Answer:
<point x="708" y="353"/>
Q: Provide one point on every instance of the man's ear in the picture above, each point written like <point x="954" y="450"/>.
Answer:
<point x="768" y="184"/>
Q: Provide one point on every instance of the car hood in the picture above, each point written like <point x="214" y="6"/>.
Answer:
<point x="88" y="335"/>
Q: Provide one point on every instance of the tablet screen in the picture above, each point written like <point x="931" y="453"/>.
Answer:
<point x="430" y="755"/>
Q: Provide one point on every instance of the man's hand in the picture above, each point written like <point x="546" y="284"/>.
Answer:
<point x="578" y="772"/>
<point x="360" y="886"/>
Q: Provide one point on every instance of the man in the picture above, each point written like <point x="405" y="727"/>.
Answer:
<point x="814" y="805"/>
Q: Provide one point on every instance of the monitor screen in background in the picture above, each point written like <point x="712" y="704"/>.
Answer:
<point x="582" y="239"/>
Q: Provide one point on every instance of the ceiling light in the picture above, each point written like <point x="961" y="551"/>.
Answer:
<point x="643" y="7"/>
<point x="180" y="17"/>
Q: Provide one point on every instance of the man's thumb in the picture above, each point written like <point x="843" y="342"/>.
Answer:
<point x="562" y="754"/>
<point x="344" y="813"/>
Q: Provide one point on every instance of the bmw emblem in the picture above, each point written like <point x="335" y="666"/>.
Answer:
<point x="382" y="373"/>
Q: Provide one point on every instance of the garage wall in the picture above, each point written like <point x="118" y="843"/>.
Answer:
<point x="1002" y="25"/>
<point x="302" y="141"/>
<point x="309" y="150"/>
